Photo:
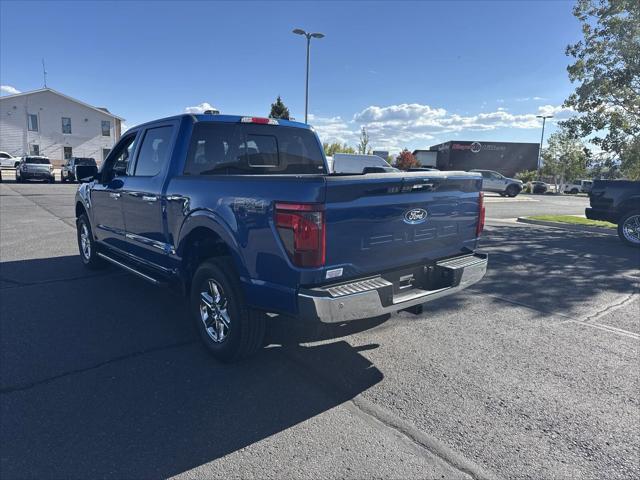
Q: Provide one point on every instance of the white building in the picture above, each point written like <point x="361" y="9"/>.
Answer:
<point x="46" y="122"/>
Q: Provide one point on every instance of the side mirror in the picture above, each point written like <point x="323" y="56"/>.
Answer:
<point x="86" y="173"/>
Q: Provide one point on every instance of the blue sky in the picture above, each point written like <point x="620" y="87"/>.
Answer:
<point x="414" y="73"/>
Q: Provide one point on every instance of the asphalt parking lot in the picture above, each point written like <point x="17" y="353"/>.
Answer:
<point x="532" y="373"/>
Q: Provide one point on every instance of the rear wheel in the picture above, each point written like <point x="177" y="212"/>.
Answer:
<point x="229" y="329"/>
<point x="574" y="191"/>
<point x="629" y="229"/>
<point x="512" y="191"/>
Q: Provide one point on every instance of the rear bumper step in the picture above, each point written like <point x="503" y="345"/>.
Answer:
<point x="376" y="296"/>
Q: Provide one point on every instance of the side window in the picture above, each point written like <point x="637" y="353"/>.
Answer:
<point x="154" y="151"/>
<point x="485" y="174"/>
<point x="123" y="153"/>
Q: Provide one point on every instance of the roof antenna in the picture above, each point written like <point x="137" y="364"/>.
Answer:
<point x="44" y="74"/>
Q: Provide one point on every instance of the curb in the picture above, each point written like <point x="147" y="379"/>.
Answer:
<point x="568" y="226"/>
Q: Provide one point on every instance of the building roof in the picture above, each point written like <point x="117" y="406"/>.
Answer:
<point x="102" y="110"/>
<point x="421" y="150"/>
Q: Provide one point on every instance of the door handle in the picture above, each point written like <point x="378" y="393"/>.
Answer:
<point x="114" y="195"/>
<point x="149" y="198"/>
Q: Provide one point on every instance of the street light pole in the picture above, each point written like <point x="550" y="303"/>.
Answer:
<point x="544" y="119"/>
<point x="299" y="31"/>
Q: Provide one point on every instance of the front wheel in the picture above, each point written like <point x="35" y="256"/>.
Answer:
<point x="229" y="329"/>
<point x="512" y="191"/>
<point x="87" y="245"/>
<point x="629" y="229"/>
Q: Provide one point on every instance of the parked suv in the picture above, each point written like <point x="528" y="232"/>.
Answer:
<point x="8" y="161"/>
<point x="579" y="186"/>
<point x="69" y="170"/>
<point x="34" y="167"/>
<point x="498" y="183"/>
<point x="242" y="216"/>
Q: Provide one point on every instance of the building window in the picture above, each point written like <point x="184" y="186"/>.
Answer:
<point x="33" y="122"/>
<point x="66" y="125"/>
<point x="35" y="149"/>
<point x="106" y="128"/>
<point x="68" y="152"/>
<point x="105" y="153"/>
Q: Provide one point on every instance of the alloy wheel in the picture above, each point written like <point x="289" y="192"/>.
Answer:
<point x="631" y="229"/>
<point x="85" y="242"/>
<point x="214" y="311"/>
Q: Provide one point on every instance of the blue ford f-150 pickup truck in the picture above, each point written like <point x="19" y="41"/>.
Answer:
<point x="241" y="214"/>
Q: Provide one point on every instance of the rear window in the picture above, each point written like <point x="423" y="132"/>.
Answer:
<point x="38" y="160"/>
<point x="85" y="161"/>
<point x="219" y="148"/>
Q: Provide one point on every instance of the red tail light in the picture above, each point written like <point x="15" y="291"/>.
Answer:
<point x="480" y="226"/>
<point x="301" y="228"/>
<point x="263" y="121"/>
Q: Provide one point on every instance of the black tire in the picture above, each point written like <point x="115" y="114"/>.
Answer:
<point x="52" y="180"/>
<point x="512" y="191"/>
<point x="574" y="192"/>
<point x="245" y="326"/>
<point x="629" y="229"/>
<point x="91" y="260"/>
<point x="62" y="180"/>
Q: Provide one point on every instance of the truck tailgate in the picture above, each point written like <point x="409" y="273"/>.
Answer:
<point x="382" y="221"/>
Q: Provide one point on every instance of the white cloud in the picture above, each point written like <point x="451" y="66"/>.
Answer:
<point x="8" y="89"/>
<point x="527" y="99"/>
<point x="413" y="125"/>
<point x="200" y="108"/>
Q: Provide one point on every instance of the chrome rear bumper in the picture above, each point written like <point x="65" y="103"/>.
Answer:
<point x="376" y="296"/>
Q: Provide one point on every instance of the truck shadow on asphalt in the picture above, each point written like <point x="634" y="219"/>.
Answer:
<point x="103" y="376"/>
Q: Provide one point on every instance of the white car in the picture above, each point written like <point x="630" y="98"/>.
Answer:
<point x="354" y="163"/>
<point x="8" y="161"/>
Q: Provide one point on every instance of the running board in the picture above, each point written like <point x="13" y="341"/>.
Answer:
<point x="144" y="276"/>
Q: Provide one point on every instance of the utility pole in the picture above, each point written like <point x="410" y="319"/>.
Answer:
<point x="299" y="31"/>
<point x="544" y="119"/>
<point x="44" y="74"/>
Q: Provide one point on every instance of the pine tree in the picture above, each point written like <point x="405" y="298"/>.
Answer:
<point x="279" y="109"/>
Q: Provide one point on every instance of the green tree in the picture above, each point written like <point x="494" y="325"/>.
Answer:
<point x="279" y="109"/>
<point x="527" y="175"/>
<point x="607" y="69"/>
<point x="565" y="157"/>
<point x="363" y="145"/>
<point x="330" y="149"/>
<point x="406" y="160"/>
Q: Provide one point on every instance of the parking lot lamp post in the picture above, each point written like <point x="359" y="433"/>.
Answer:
<point x="544" y="119"/>
<point x="299" y="31"/>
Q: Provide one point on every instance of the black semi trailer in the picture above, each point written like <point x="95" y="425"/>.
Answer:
<point x="507" y="158"/>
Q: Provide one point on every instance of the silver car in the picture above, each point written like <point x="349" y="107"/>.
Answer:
<point x="498" y="183"/>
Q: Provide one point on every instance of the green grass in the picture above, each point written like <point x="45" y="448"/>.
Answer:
<point x="573" y="220"/>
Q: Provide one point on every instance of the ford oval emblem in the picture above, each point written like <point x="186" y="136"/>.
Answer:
<point x="415" y="216"/>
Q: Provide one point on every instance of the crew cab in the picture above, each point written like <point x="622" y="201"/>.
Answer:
<point x="617" y="201"/>
<point x="241" y="215"/>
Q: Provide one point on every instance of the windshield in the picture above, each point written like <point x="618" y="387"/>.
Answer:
<point x="37" y="160"/>
<point x="253" y="149"/>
